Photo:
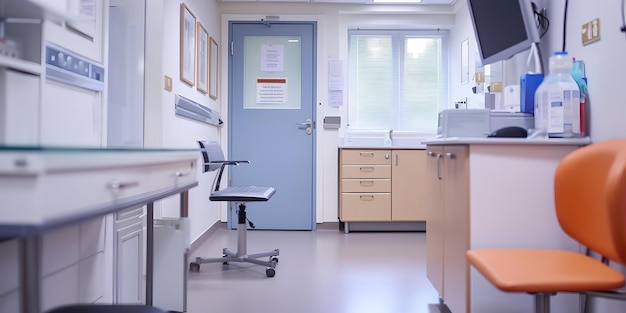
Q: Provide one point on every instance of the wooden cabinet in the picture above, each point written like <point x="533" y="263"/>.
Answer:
<point x="434" y="218"/>
<point x="408" y="185"/>
<point x="447" y="228"/>
<point x="365" y="187"/>
<point x="382" y="185"/>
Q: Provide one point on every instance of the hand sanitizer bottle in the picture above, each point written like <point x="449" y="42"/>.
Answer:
<point x="387" y="142"/>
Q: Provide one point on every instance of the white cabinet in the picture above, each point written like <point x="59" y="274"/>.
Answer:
<point x="129" y="256"/>
<point x="19" y="107"/>
<point x="36" y="109"/>
<point x="9" y="262"/>
<point x="49" y="195"/>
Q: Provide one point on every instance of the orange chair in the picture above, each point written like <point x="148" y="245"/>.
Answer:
<point x="590" y="202"/>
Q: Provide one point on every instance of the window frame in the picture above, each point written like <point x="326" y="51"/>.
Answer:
<point x="399" y="50"/>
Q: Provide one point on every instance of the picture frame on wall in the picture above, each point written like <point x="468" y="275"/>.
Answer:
<point x="187" y="45"/>
<point x="202" y="71"/>
<point x="213" y="72"/>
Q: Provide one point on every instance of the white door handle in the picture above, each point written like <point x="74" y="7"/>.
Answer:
<point x="307" y="123"/>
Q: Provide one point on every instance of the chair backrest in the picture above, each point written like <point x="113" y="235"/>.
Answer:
<point x="590" y="197"/>
<point x="211" y="152"/>
<point x="212" y="155"/>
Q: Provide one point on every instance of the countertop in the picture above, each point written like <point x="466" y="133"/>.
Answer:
<point x="508" y="141"/>
<point x="403" y="147"/>
<point x="476" y="141"/>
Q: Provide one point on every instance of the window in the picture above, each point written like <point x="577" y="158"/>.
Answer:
<point x="397" y="80"/>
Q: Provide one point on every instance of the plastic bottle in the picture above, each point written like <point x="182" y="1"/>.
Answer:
<point x="578" y="73"/>
<point x="557" y="100"/>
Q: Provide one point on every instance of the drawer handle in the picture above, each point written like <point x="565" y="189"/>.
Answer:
<point x="181" y="174"/>
<point x="367" y="182"/>
<point x="366" y="154"/>
<point x="366" y="169"/>
<point x="117" y="185"/>
<point x="367" y="198"/>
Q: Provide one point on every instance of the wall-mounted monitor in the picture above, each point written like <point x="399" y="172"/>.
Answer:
<point x="503" y="28"/>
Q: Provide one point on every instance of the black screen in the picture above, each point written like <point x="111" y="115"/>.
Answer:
<point x="499" y="24"/>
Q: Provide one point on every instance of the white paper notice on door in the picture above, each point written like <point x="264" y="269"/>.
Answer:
<point x="272" y="58"/>
<point x="271" y="91"/>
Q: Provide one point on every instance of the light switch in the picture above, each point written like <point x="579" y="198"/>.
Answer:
<point x="168" y="83"/>
<point x="591" y="31"/>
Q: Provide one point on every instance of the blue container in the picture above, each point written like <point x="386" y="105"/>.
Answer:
<point x="528" y="86"/>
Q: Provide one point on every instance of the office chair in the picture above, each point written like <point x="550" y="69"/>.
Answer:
<point x="590" y="205"/>
<point x="214" y="160"/>
<point x="106" y="308"/>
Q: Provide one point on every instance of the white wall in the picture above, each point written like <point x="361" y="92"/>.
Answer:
<point x="463" y="30"/>
<point x="604" y="59"/>
<point x="163" y="128"/>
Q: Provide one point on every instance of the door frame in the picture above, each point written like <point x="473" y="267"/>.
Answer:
<point x="227" y="89"/>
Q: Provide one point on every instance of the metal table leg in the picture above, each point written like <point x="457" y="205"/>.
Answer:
<point x="30" y="273"/>
<point x="149" y="252"/>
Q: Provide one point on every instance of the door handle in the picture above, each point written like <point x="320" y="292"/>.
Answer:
<point x="439" y="167"/>
<point x="307" y="123"/>
<point x="306" y="126"/>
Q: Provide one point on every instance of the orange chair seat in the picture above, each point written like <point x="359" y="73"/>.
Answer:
<point x="543" y="271"/>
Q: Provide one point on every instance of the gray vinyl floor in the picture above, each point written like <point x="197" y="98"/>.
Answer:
<point x="319" y="271"/>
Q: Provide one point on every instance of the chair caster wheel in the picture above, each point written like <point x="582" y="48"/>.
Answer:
<point x="274" y="259"/>
<point x="270" y="272"/>
<point x="194" y="267"/>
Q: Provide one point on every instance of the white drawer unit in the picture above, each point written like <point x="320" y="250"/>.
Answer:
<point x="39" y="187"/>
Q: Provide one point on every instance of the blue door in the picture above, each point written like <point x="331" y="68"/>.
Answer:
<point x="271" y="120"/>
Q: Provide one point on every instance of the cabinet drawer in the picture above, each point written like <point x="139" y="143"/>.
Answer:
<point x="366" y="171"/>
<point x="360" y="207"/>
<point x="366" y="185"/>
<point x="365" y="156"/>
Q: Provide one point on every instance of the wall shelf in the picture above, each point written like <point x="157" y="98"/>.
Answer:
<point x="20" y="65"/>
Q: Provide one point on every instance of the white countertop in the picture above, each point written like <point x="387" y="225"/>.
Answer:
<point x="508" y="141"/>
<point x="476" y="141"/>
<point x="381" y="147"/>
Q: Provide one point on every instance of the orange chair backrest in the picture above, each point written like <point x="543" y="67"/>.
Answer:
<point x="590" y="197"/>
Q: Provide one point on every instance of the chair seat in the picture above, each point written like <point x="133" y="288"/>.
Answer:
<point x="543" y="271"/>
<point x="243" y="194"/>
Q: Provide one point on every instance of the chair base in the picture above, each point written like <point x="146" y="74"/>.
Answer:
<point x="241" y="255"/>
<point x="542" y="302"/>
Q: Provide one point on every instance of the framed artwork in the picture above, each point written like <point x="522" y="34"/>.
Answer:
<point x="202" y="70"/>
<point x="213" y="73"/>
<point x="465" y="61"/>
<point x="187" y="45"/>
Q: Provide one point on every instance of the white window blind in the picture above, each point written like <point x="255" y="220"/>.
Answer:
<point x="396" y="79"/>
